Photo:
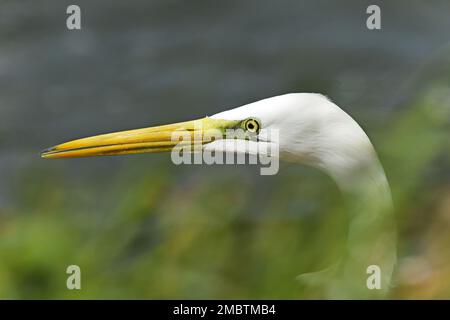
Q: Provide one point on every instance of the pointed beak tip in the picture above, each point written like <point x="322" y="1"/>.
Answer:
<point x="46" y="153"/>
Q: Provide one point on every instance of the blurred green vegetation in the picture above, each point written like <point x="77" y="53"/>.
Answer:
<point x="162" y="232"/>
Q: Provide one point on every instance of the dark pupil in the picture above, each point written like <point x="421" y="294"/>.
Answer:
<point x="251" y="126"/>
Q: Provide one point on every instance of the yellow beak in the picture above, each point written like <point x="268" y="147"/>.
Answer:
<point x="148" y="140"/>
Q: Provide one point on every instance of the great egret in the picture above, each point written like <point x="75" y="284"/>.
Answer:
<point x="312" y="131"/>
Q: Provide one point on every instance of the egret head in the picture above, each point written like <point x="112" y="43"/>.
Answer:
<point x="309" y="129"/>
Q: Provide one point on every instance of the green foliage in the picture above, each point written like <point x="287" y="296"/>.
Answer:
<point x="161" y="231"/>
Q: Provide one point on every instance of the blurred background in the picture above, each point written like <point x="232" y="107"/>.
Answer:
<point x="141" y="227"/>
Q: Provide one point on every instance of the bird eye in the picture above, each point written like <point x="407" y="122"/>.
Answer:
<point x="252" y="125"/>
